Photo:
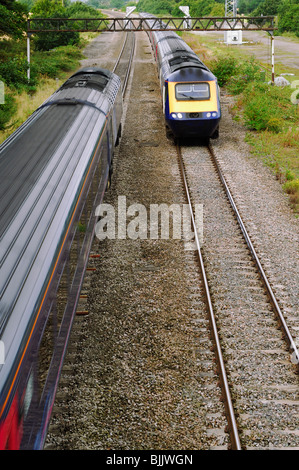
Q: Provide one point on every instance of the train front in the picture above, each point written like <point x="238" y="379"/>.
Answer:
<point x="192" y="105"/>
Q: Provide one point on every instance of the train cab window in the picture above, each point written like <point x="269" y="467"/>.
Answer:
<point x="192" y="91"/>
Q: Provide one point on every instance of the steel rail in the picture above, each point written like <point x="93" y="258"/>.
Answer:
<point x="125" y="84"/>
<point x="121" y="53"/>
<point x="249" y="243"/>
<point x="233" y="428"/>
<point x="126" y="78"/>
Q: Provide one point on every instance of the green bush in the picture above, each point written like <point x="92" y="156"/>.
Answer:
<point x="7" y="110"/>
<point x="223" y="67"/>
<point x="49" y="9"/>
<point x="14" y="72"/>
<point x="288" y="16"/>
<point x="267" y="107"/>
<point x="246" y="72"/>
<point x="257" y="114"/>
<point x="291" y="187"/>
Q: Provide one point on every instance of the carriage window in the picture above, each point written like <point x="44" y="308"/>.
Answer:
<point x="192" y="91"/>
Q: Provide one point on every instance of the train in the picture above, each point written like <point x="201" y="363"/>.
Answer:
<point x="190" y="92"/>
<point x="54" y="170"/>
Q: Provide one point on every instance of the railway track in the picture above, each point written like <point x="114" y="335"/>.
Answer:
<point x="124" y="62"/>
<point x="168" y="388"/>
<point x="244" y="315"/>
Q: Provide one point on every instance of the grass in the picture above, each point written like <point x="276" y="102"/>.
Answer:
<point x="27" y="103"/>
<point x="269" y="114"/>
<point x="48" y="71"/>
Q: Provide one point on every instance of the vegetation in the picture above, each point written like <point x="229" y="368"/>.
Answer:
<point x="12" y="18"/>
<point x="267" y="111"/>
<point x="287" y="11"/>
<point x="55" y="9"/>
<point x="52" y="55"/>
<point x="288" y="15"/>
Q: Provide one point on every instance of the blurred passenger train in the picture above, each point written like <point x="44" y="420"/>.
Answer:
<point x="54" y="171"/>
<point x="190" y="92"/>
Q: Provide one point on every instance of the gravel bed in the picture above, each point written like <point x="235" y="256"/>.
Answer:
<point x="254" y="350"/>
<point x="142" y="372"/>
<point x="266" y="212"/>
<point x="145" y="373"/>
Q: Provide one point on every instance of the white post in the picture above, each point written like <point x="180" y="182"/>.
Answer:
<point x="28" y="56"/>
<point x="272" y="59"/>
<point x="187" y="21"/>
<point x="129" y="10"/>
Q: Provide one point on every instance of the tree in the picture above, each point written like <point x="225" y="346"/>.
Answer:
<point x="288" y="16"/>
<point x="267" y="8"/>
<point x="217" y="10"/>
<point x="201" y="7"/>
<point x="52" y="9"/>
<point x="12" y="18"/>
<point x="156" y="7"/>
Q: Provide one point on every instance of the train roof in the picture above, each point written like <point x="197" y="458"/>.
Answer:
<point x="41" y="164"/>
<point x="173" y="53"/>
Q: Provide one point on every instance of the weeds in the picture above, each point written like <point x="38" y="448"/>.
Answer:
<point x="268" y="113"/>
<point x="223" y="67"/>
<point x="7" y="110"/>
<point x="21" y="94"/>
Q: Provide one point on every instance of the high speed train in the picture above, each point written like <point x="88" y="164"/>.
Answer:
<point x="190" y="92"/>
<point x="54" y="171"/>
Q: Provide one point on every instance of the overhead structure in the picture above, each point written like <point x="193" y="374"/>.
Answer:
<point x="230" y="8"/>
<point x="185" y="10"/>
<point x="136" y="24"/>
<point x="233" y="36"/>
<point x="260" y="23"/>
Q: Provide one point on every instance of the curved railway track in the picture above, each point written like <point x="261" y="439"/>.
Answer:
<point x="242" y="302"/>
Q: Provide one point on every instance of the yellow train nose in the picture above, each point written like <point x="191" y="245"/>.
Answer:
<point x="193" y="105"/>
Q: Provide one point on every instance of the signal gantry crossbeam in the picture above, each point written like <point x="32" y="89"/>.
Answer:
<point x="261" y="23"/>
<point x="231" y="23"/>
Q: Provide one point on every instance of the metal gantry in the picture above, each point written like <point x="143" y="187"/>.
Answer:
<point x="260" y="23"/>
<point x="234" y="36"/>
<point x="136" y="24"/>
<point x="230" y="8"/>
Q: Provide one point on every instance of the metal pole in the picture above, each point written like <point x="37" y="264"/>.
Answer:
<point x="28" y="56"/>
<point x="272" y="57"/>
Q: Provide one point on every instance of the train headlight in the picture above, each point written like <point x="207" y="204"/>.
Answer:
<point x="173" y="115"/>
<point x="214" y="114"/>
<point x="208" y="114"/>
<point x="180" y="115"/>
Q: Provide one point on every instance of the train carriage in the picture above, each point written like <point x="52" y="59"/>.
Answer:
<point x="190" y="92"/>
<point x="54" y="172"/>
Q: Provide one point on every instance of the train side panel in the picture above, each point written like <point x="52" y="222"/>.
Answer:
<point x="56" y="168"/>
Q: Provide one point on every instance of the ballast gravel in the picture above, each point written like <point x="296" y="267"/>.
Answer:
<point x="141" y="371"/>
